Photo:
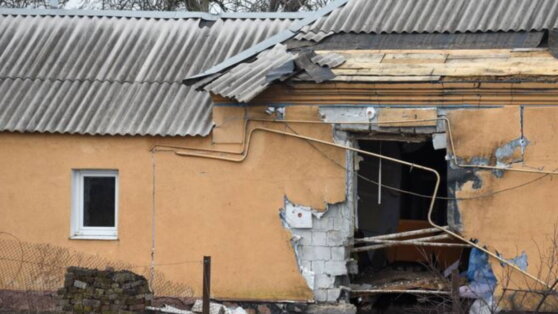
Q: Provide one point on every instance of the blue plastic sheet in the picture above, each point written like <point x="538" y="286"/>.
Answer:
<point x="482" y="280"/>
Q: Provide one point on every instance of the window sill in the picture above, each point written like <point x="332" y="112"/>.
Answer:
<point x="94" y="237"/>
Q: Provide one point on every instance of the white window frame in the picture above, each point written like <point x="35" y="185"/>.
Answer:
<point x="77" y="229"/>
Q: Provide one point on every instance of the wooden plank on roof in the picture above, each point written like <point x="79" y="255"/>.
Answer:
<point x="411" y="58"/>
<point x="368" y="78"/>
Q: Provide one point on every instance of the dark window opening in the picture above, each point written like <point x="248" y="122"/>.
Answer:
<point x="99" y="201"/>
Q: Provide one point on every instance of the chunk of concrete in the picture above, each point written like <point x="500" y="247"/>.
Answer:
<point x="214" y="308"/>
<point x="333" y="295"/>
<point x="338" y="253"/>
<point x="324" y="281"/>
<point x="80" y="284"/>
<point x="319" y="238"/>
<point x="320" y="295"/>
<point x="331" y="309"/>
<point x="439" y="140"/>
<point x="298" y="216"/>
<point x="336" y="268"/>
<point x="318" y="267"/>
<point x="316" y="253"/>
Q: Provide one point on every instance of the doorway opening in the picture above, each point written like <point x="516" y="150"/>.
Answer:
<point x="394" y="199"/>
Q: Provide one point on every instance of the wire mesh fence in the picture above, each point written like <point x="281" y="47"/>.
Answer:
<point x="28" y="266"/>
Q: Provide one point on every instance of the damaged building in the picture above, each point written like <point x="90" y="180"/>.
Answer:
<point x="371" y="148"/>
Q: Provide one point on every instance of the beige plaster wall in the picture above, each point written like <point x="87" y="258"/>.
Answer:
<point x="227" y="210"/>
<point x="516" y="212"/>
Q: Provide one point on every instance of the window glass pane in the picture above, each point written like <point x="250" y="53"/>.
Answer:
<point x="98" y="201"/>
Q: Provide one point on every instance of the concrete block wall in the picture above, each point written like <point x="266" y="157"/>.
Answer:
<point x="323" y="251"/>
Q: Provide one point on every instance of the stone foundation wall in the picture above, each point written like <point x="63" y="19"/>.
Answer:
<point x="87" y="290"/>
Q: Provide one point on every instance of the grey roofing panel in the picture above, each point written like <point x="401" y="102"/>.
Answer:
<point x="311" y="36"/>
<point x="114" y="75"/>
<point x="121" y="49"/>
<point x="246" y="80"/>
<point x="156" y="14"/>
<point x="270" y="42"/>
<point x="499" y="40"/>
<point x="438" y="16"/>
<point x="102" y="108"/>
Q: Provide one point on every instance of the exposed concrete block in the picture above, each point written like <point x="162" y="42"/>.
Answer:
<point x="335" y="238"/>
<point x="320" y="295"/>
<point x="320" y="250"/>
<point x="333" y="295"/>
<point x="316" y="253"/>
<point x="323" y="224"/>
<point x="333" y="212"/>
<point x="305" y="236"/>
<point x="318" y="267"/>
<point x="439" y="140"/>
<point x="342" y="308"/>
<point x="344" y="226"/>
<point x="319" y="238"/>
<point x="338" y="253"/>
<point x="336" y="268"/>
<point x="324" y="281"/>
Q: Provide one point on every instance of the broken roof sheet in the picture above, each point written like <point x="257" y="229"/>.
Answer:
<point x="252" y="76"/>
<point x="105" y="74"/>
<point x="247" y="80"/>
<point x="410" y="16"/>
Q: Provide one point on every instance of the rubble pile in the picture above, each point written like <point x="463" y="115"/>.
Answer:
<point x="92" y="290"/>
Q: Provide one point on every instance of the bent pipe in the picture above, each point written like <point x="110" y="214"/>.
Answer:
<point x="431" y="206"/>
<point x="445" y="119"/>
<point x="448" y="128"/>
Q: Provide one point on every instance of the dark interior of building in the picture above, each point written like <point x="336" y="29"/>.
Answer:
<point x="389" y="208"/>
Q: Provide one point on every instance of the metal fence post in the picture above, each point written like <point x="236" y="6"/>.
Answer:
<point x="206" y="283"/>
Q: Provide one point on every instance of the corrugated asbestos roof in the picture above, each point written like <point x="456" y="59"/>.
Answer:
<point x="118" y="73"/>
<point x="247" y="80"/>
<point x="114" y="75"/>
<point x="252" y="76"/>
<point x="413" y="16"/>
<point x="438" y="16"/>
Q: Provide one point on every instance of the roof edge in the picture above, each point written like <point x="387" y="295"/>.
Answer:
<point x="268" y="43"/>
<point x="157" y="14"/>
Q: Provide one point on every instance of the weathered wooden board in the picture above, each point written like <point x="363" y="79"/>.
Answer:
<point x="407" y="114"/>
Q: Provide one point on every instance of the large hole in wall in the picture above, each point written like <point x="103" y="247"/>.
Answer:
<point x="386" y="210"/>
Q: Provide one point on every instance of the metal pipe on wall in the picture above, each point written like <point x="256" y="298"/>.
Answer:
<point x="433" y="171"/>
<point x="248" y="136"/>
